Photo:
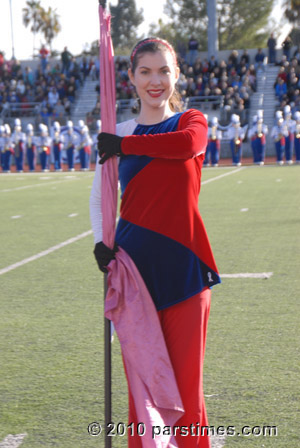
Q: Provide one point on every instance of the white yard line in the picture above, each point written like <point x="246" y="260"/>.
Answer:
<point x="12" y="441"/>
<point x="248" y="275"/>
<point x="217" y="441"/>
<point x="44" y="184"/>
<point x="45" y="252"/>
<point x="237" y="170"/>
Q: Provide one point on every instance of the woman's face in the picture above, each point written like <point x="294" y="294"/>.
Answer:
<point x="154" y="78"/>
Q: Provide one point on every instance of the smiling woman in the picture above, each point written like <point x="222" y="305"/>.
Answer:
<point x="160" y="227"/>
<point x="154" y="73"/>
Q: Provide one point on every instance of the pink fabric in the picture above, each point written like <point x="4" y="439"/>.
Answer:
<point x="128" y="303"/>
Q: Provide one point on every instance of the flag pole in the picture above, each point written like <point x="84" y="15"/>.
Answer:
<point x="107" y="348"/>
<point x="107" y="367"/>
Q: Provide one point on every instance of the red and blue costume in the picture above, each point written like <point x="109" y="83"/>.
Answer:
<point x="161" y="229"/>
<point x="160" y="226"/>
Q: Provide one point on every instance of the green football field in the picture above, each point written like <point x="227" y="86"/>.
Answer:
<point x="51" y="298"/>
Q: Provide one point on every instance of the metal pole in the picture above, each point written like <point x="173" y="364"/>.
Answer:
<point x="107" y="350"/>
<point x="107" y="367"/>
<point x="212" y="29"/>
<point x="12" y="31"/>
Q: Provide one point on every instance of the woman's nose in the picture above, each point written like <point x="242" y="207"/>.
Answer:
<point x="155" y="79"/>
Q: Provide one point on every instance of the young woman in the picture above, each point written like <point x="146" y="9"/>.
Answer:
<point x="160" y="227"/>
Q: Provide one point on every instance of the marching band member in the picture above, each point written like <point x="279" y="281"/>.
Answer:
<point x="18" y="140"/>
<point x="84" y="146"/>
<point x="236" y="135"/>
<point x="2" y="131"/>
<point x="261" y="132"/>
<point x="279" y="132"/>
<point x="30" y="147"/>
<point x="214" y="143"/>
<point x="57" y="145"/>
<point x="289" y="138"/>
<point x="7" y="148"/>
<point x="44" y="147"/>
<point x="297" y="136"/>
<point x="252" y="136"/>
<point x="69" y="144"/>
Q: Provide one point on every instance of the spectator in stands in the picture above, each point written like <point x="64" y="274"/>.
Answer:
<point x="28" y="76"/>
<point x="259" y="60"/>
<point x="280" y="89"/>
<point x="96" y="110"/>
<point x="85" y="67"/>
<point x="20" y="88"/>
<point x="67" y="105"/>
<point x="272" y="49"/>
<point x="192" y="50"/>
<point x="251" y="73"/>
<point x="44" y="53"/>
<point x="245" y="59"/>
<point x="15" y="67"/>
<point x="59" y="112"/>
<point x="283" y="72"/>
<point x="213" y="63"/>
<point x="96" y="73"/>
<point x="286" y="46"/>
<point x="53" y="98"/>
<point x="233" y="60"/>
<point x="61" y="89"/>
<point x="45" y="114"/>
<point x="66" y="58"/>
<point x="191" y="86"/>
<point x="74" y="71"/>
<point x="245" y="97"/>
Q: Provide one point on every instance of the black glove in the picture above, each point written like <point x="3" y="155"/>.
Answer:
<point x="109" y="145"/>
<point x="104" y="255"/>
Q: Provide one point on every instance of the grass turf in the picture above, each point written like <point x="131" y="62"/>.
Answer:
<point x="51" y="332"/>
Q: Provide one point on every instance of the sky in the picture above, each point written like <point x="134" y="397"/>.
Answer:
<point x="80" y="24"/>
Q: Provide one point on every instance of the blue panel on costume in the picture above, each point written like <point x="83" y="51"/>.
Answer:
<point x="169" y="125"/>
<point x="171" y="272"/>
<point x="131" y="165"/>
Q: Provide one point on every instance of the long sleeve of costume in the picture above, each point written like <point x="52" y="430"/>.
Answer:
<point x="188" y="141"/>
<point x="95" y="205"/>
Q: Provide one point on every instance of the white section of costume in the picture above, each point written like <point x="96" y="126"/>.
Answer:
<point x="122" y="129"/>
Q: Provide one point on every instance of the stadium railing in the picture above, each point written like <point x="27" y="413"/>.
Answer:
<point x="20" y="110"/>
<point x="204" y="102"/>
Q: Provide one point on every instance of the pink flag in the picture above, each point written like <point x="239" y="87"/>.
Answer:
<point x="128" y="303"/>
